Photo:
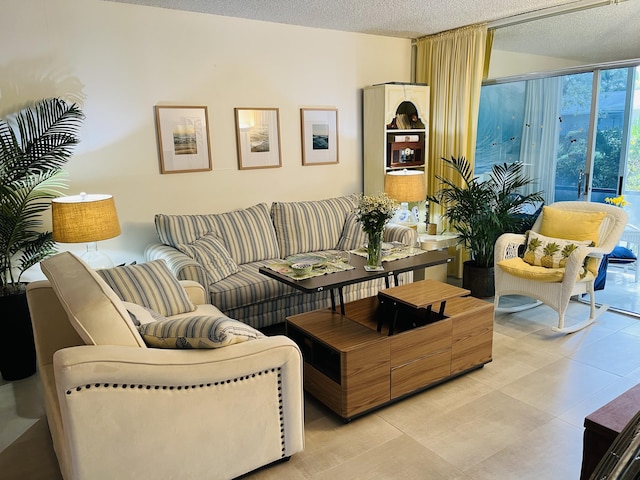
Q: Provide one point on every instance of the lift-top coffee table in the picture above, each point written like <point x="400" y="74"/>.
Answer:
<point x="353" y="368"/>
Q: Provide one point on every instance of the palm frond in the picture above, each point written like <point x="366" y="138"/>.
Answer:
<point x="31" y="174"/>
<point x="480" y="211"/>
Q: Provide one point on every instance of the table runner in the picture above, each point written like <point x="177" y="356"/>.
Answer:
<point x="284" y="268"/>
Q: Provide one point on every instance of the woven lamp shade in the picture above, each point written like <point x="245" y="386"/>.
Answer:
<point x="84" y="218"/>
<point x="405" y="185"/>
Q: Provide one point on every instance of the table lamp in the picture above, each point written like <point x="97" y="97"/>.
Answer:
<point x="86" y="218"/>
<point x="406" y="186"/>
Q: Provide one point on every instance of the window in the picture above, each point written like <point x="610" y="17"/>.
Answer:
<point x="578" y="134"/>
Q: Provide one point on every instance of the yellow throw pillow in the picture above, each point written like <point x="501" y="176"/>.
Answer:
<point x="571" y="225"/>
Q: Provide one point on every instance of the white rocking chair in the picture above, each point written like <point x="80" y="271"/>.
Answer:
<point x="557" y="294"/>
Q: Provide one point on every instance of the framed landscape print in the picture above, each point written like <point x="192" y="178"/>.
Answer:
<point x="258" y="138"/>
<point x="319" y="136"/>
<point x="183" y="139"/>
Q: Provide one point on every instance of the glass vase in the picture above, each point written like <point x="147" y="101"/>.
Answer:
<point x="374" y="251"/>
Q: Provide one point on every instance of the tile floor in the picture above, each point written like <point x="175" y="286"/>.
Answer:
<point x="520" y="417"/>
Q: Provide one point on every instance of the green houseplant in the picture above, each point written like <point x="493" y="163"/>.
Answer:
<point x="480" y="211"/>
<point x="34" y="145"/>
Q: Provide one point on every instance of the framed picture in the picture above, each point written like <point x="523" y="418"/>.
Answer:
<point x="183" y="139"/>
<point x="258" y="138"/>
<point x="319" y="136"/>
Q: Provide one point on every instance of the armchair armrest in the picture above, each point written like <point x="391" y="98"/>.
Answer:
<point x="507" y="246"/>
<point x="146" y="413"/>
<point x="195" y="291"/>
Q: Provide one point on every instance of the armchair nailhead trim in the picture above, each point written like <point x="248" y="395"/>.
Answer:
<point x="123" y="386"/>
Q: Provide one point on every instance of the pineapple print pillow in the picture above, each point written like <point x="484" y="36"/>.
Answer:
<point x="550" y="252"/>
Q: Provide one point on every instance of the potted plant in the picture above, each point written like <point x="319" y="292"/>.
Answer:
<point x="480" y="211"/>
<point x="34" y="145"/>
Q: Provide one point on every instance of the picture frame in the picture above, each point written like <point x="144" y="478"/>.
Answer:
<point x="319" y="128"/>
<point x="258" y="138"/>
<point x="183" y="138"/>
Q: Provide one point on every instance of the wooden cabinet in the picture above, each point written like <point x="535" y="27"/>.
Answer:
<point x="352" y="368"/>
<point x="396" y="130"/>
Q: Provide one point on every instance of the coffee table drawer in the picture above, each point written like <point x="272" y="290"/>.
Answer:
<point x="420" y="373"/>
<point x="413" y="344"/>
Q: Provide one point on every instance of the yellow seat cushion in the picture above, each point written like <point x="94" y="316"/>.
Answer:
<point x="571" y="225"/>
<point x="519" y="268"/>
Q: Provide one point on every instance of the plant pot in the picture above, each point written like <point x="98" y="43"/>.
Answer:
<point x="480" y="280"/>
<point x="18" y="352"/>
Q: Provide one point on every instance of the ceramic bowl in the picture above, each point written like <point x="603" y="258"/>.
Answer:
<point x="300" y="269"/>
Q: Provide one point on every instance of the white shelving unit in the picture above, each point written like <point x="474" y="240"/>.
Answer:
<point x="391" y="139"/>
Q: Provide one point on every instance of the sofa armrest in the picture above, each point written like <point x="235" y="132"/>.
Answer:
<point x="147" y="413"/>
<point x="181" y="265"/>
<point x="400" y="233"/>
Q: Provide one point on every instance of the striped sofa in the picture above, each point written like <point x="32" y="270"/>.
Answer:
<point x="223" y="252"/>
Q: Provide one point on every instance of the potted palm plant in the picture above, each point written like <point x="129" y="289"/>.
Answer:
<point x="480" y="211"/>
<point x="34" y="145"/>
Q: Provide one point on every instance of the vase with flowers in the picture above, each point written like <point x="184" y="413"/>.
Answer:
<point x="618" y="201"/>
<point x="374" y="212"/>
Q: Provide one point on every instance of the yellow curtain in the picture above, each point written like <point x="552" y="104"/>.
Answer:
<point x="453" y="64"/>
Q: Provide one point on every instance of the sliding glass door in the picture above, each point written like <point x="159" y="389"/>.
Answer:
<point x="578" y="135"/>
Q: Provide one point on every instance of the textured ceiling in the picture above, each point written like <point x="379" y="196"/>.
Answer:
<point x="596" y="35"/>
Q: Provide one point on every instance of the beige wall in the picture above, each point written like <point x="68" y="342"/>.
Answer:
<point x="119" y="61"/>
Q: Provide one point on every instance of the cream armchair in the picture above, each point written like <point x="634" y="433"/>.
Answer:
<point x="580" y="221"/>
<point x="119" y="410"/>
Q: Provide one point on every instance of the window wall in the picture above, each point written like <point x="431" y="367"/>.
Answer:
<point x="578" y="134"/>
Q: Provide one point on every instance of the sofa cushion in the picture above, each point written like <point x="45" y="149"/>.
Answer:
<point x="311" y="226"/>
<point x="247" y="287"/>
<point x="94" y="310"/>
<point x="210" y="252"/>
<point x="352" y="236"/>
<point x="149" y="284"/>
<point x="248" y="234"/>
<point x="200" y="331"/>
<point x="183" y="229"/>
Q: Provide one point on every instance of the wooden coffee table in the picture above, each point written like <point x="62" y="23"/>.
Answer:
<point x="353" y="368"/>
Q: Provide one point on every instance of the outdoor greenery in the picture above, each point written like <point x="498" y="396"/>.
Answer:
<point x="31" y="160"/>
<point x="501" y="122"/>
<point x="481" y="211"/>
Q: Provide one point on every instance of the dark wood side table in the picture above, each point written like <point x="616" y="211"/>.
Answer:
<point x="603" y="426"/>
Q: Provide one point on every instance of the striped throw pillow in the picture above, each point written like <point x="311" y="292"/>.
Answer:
<point x="182" y="229"/>
<point x="198" y="331"/>
<point x="210" y="252"/>
<point x="311" y="226"/>
<point x="352" y="234"/>
<point x="248" y="234"/>
<point x="149" y="284"/>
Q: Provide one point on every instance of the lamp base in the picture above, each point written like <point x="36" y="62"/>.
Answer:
<point x="96" y="259"/>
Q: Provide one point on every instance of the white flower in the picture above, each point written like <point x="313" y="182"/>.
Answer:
<point x="374" y="211"/>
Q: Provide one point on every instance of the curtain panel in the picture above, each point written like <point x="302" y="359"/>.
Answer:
<point x="453" y="64"/>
